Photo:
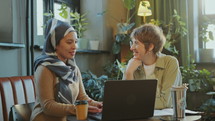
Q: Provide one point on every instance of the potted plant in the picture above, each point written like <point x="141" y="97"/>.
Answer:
<point x="123" y="34"/>
<point x="79" y="22"/>
<point x="199" y="85"/>
<point x="206" y="35"/>
<point x="115" y="70"/>
<point x="174" y="31"/>
<point x="94" y="85"/>
<point x="208" y="107"/>
<point x="212" y="82"/>
<point x="122" y="38"/>
<point x="198" y="80"/>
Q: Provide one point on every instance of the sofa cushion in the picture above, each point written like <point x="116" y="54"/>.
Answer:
<point x="29" y="88"/>
<point x="18" y="90"/>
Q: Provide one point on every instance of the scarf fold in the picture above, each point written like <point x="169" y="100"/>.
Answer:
<point x="55" y="31"/>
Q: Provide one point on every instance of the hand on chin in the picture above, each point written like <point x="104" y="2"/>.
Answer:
<point x="136" y="57"/>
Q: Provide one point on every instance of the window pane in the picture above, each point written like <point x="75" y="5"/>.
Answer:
<point x="211" y="43"/>
<point x="57" y="6"/>
<point x="39" y="17"/>
<point x="209" y="6"/>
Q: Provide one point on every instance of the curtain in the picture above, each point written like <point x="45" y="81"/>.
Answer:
<point x="19" y="20"/>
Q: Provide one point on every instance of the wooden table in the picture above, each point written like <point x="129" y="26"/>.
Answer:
<point x="162" y="118"/>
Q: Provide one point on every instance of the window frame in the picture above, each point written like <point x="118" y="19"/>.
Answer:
<point x="201" y="15"/>
<point x="48" y="5"/>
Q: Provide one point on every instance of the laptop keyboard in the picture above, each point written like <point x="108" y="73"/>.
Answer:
<point x="95" y="116"/>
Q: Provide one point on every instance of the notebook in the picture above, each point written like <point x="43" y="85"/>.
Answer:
<point x="127" y="99"/>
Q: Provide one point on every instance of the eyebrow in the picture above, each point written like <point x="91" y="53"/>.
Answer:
<point x="70" y="40"/>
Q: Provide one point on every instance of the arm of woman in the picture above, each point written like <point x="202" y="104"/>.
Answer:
<point x="45" y="84"/>
<point x="94" y="106"/>
<point x="171" y="76"/>
<point x="132" y="66"/>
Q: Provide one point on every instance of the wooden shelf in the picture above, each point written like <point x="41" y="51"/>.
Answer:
<point x="92" y="51"/>
<point x="12" y="45"/>
<point x="205" y="63"/>
<point x="82" y="51"/>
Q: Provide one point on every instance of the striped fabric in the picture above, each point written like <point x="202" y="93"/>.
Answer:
<point x="55" y="31"/>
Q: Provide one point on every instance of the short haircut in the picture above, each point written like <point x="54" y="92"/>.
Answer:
<point x="150" y="34"/>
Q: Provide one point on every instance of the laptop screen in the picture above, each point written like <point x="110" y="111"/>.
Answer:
<point x="129" y="99"/>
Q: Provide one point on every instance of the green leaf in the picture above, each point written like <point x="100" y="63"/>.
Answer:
<point x="72" y="15"/>
<point x="48" y="14"/>
<point x="210" y="33"/>
<point x="210" y="93"/>
<point x="119" y="38"/>
<point x="63" y="11"/>
<point x="79" y="22"/>
<point x="83" y="15"/>
<point x="127" y="27"/>
<point x="129" y="4"/>
<point x="121" y="66"/>
<point x="116" y="48"/>
<point x="64" y="14"/>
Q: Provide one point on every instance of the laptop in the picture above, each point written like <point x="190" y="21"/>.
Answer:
<point x="127" y="99"/>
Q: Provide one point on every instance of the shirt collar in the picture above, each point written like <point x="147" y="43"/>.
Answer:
<point x="160" y="61"/>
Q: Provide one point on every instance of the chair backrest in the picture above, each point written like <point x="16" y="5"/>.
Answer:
<point x="1" y="109"/>
<point x="18" y="90"/>
<point x="29" y="88"/>
<point x="7" y="96"/>
<point x="21" y="112"/>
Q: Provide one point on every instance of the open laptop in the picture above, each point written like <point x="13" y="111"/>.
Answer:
<point x="127" y="99"/>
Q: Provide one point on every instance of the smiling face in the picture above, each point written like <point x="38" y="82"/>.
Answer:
<point x="66" y="49"/>
<point x="151" y="34"/>
<point x="138" y="49"/>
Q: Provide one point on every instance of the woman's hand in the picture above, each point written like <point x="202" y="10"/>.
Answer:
<point x="99" y="105"/>
<point x="132" y="66"/>
<point x="94" y="109"/>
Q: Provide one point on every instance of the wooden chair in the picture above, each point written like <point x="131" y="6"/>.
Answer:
<point x="21" y="112"/>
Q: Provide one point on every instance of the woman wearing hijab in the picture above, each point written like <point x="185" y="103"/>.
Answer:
<point x="58" y="80"/>
<point x="149" y="63"/>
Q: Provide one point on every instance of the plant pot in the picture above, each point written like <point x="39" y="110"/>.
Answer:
<point x="82" y="43"/>
<point x="196" y="99"/>
<point x="206" y="55"/>
<point x="93" y="45"/>
<point x="194" y="85"/>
